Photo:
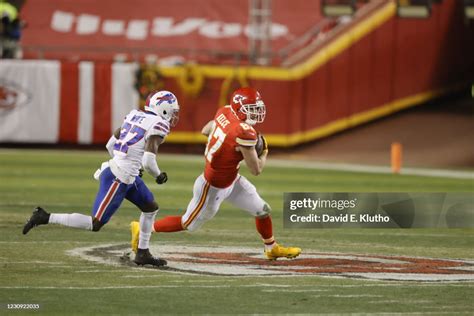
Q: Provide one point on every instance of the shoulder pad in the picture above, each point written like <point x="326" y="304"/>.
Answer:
<point x="160" y="127"/>
<point x="246" y="135"/>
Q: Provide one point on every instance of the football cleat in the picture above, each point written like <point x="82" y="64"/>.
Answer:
<point x="282" y="252"/>
<point x="39" y="217"/>
<point x="135" y="230"/>
<point x="144" y="256"/>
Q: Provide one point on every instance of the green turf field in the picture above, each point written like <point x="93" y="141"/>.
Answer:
<point x="38" y="269"/>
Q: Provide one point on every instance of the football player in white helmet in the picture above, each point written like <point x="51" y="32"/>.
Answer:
<point x="134" y="145"/>
<point x="164" y="104"/>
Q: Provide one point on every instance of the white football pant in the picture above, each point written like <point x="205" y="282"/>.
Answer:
<point x="207" y="200"/>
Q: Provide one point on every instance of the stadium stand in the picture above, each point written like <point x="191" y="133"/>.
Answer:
<point x="324" y="74"/>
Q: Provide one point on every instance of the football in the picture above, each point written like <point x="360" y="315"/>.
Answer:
<point x="261" y="144"/>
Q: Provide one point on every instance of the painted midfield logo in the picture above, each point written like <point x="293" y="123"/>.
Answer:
<point x="247" y="261"/>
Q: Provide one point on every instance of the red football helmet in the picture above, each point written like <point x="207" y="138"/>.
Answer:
<point x="248" y="105"/>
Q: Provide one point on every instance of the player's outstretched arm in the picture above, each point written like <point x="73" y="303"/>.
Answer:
<point x="206" y="130"/>
<point x="149" y="159"/>
<point x="253" y="162"/>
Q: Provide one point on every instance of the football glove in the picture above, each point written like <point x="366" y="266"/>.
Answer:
<point x="262" y="146"/>
<point x="265" y="144"/>
<point x="162" y="178"/>
<point x="140" y="172"/>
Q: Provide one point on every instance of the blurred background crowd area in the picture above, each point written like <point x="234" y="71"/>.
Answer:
<point x="341" y="78"/>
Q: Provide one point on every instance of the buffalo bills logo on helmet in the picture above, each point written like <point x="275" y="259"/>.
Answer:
<point x="166" y="98"/>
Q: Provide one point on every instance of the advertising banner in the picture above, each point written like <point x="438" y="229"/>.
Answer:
<point x="53" y="102"/>
<point x="149" y="24"/>
<point x="29" y="101"/>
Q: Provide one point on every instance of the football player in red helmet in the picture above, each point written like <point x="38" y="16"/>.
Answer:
<point x="248" y="105"/>
<point x="231" y="139"/>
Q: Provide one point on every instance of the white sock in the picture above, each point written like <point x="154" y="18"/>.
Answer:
<point x="72" y="220"/>
<point x="269" y="247"/>
<point x="146" y="226"/>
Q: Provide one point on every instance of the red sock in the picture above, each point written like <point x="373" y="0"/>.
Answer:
<point x="265" y="228"/>
<point x="168" y="224"/>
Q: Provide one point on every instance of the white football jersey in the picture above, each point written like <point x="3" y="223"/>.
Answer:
<point x="136" y="128"/>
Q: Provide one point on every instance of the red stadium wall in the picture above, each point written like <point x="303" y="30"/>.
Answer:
<point x="402" y="58"/>
<point x="400" y="63"/>
<point x="377" y="66"/>
<point x="100" y="30"/>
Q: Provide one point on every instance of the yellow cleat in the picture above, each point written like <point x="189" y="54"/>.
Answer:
<point x="282" y="252"/>
<point x="135" y="230"/>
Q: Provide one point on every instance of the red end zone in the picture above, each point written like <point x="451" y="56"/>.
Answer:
<point x="236" y="261"/>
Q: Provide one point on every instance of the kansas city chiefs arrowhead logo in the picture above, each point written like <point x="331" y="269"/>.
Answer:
<point x="12" y="96"/>
<point x="238" y="261"/>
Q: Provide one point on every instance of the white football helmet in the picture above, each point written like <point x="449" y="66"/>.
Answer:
<point x="164" y="104"/>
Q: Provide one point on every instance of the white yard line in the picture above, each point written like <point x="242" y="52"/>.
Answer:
<point x="294" y="291"/>
<point x="282" y="287"/>
<point x="139" y="287"/>
<point x="370" y="169"/>
<point x="111" y="271"/>
<point x="402" y="314"/>
<point x="400" y="301"/>
<point x="109" y="287"/>
<point x="400" y="284"/>
<point x="348" y="295"/>
<point x="50" y="263"/>
<point x="49" y="242"/>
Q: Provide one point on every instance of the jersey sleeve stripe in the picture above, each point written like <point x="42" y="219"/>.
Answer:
<point x="161" y="129"/>
<point x="162" y="124"/>
<point x="246" y="142"/>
